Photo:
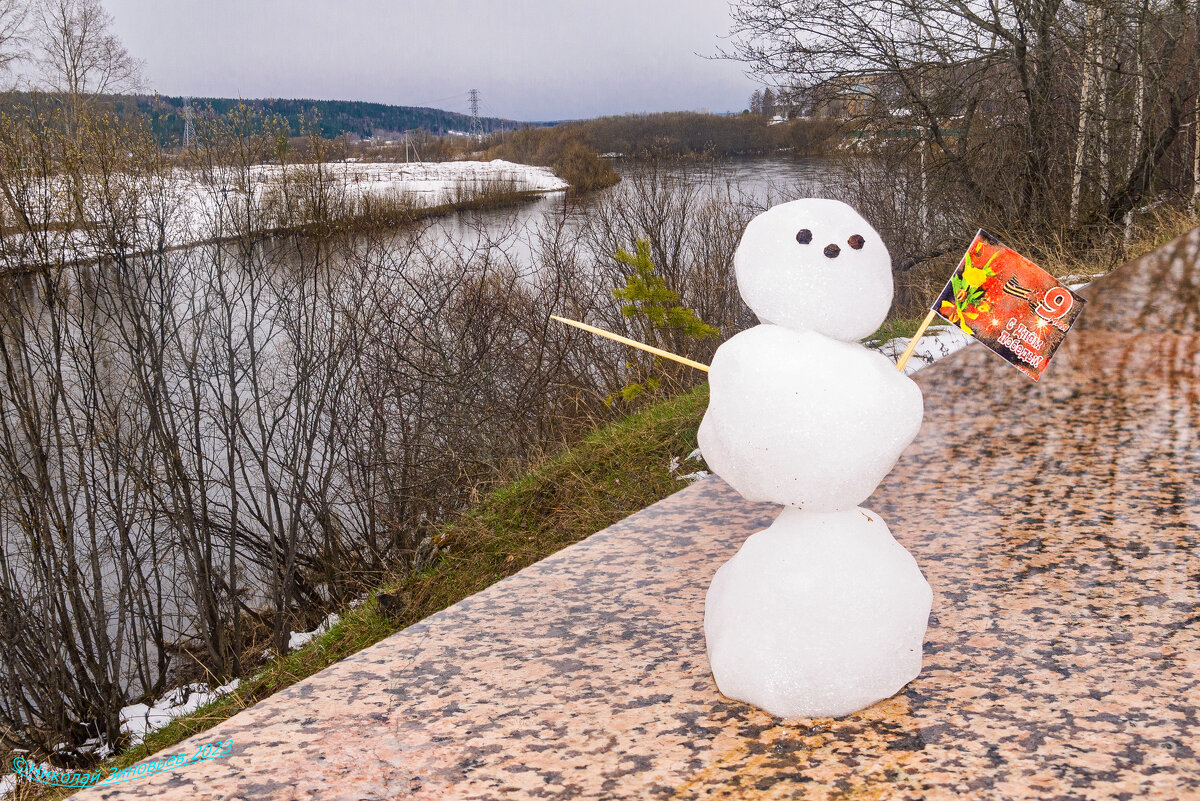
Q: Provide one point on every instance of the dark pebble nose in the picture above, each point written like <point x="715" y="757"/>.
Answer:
<point x="832" y="251"/>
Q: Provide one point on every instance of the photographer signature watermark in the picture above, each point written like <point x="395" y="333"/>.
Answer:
<point x="66" y="778"/>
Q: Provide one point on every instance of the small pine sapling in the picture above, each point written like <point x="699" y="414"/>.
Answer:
<point x="648" y="299"/>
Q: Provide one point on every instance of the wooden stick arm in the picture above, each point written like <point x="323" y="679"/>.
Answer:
<point x="633" y="343"/>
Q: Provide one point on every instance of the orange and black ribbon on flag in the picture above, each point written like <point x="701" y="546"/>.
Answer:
<point x="1015" y="308"/>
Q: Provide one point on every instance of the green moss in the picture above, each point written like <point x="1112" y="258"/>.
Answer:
<point x="895" y="327"/>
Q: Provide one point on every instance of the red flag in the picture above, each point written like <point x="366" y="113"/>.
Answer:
<point x="1015" y="308"/>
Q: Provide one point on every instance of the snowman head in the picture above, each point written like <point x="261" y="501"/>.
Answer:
<point x="817" y="265"/>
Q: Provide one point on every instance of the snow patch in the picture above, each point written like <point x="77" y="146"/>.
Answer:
<point x="299" y="639"/>
<point x="138" y="720"/>
<point x="676" y="462"/>
<point x="430" y="183"/>
<point x="938" y="342"/>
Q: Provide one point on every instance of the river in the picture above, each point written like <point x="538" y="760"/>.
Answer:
<point x="760" y="181"/>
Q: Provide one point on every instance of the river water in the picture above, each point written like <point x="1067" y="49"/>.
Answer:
<point x="758" y="181"/>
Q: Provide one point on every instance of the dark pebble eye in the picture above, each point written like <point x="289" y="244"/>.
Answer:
<point x="832" y="251"/>
<point x="856" y="242"/>
<point x="804" y="236"/>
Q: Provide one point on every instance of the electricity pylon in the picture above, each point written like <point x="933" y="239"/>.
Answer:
<point x="188" y="132"/>
<point x="476" y="130"/>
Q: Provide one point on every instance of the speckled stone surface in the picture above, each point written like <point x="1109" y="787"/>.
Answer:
<point x="1057" y="523"/>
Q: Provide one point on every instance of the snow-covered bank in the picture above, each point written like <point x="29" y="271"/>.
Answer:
<point x="299" y="639"/>
<point x="435" y="183"/>
<point x="184" y="208"/>
<point x="139" y="720"/>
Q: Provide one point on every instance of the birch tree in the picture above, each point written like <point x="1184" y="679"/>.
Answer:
<point x="77" y="53"/>
<point x="1196" y="118"/>
<point x="1087" y="70"/>
<point x="12" y="33"/>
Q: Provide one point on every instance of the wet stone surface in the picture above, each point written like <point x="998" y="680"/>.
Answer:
<point x="1057" y="523"/>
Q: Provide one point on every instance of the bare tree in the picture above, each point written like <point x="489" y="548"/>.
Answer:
<point x="12" y="32"/>
<point x="1088" y="70"/>
<point x="985" y="84"/>
<point x="77" y="53"/>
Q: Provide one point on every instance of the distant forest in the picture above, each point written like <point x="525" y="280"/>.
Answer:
<point x="572" y="149"/>
<point x="676" y="133"/>
<point x="335" y="117"/>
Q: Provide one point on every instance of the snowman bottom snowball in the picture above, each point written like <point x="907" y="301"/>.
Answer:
<point x="819" y="615"/>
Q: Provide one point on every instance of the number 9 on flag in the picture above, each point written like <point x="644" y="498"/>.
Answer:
<point x="1055" y="304"/>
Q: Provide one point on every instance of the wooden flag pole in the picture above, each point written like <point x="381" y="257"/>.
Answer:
<point x="912" y="345"/>
<point x="600" y="332"/>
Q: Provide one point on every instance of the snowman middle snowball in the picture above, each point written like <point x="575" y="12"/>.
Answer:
<point x="796" y="417"/>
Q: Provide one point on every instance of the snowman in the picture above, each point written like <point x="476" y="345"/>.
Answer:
<point x="823" y="613"/>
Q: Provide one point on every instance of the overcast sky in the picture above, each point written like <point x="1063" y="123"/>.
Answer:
<point x="530" y="59"/>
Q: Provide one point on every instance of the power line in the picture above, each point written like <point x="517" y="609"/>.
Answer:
<point x="491" y="112"/>
<point x="406" y="149"/>
<point x="429" y="103"/>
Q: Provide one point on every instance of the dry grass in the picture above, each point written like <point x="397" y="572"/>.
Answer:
<point x="1152" y="229"/>
<point x="340" y="211"/>
<point x="1058" y="255"/>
